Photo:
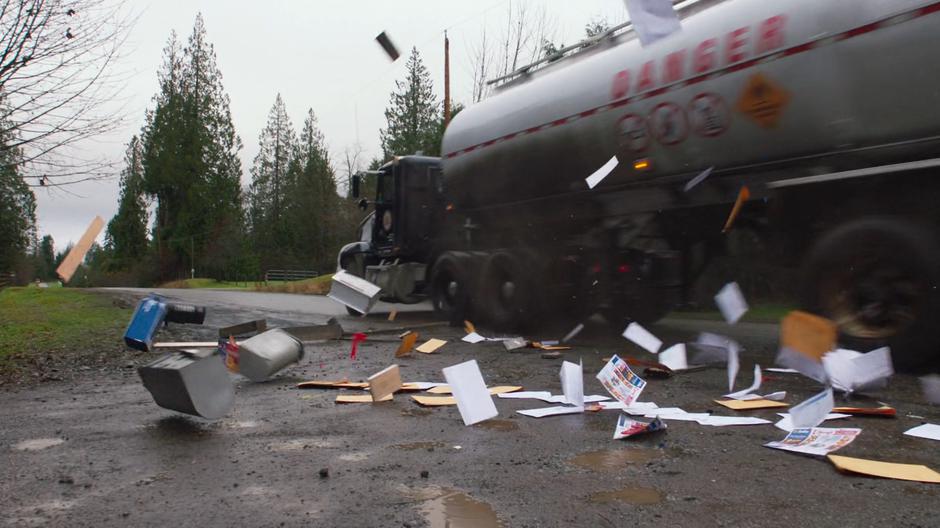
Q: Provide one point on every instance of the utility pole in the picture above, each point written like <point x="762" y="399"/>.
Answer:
<point x="446" y="80"/>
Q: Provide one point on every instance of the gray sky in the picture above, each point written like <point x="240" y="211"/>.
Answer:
<point x="318" y="54"/>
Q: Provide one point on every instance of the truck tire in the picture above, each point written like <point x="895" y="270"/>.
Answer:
<point x="450" y="287"/>
<point x="878" y="280"/>
<point x="506" y="289"/>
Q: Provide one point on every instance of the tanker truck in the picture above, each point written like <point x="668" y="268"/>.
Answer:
<point x="824" y="115"/>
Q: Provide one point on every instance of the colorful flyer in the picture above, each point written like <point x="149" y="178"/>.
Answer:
<point x="818" y="441"/>
<point x="621" y="382"/>
<point x="627" y="427"/>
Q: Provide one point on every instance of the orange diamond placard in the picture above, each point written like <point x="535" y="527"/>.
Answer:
<point x="763" y="101"/>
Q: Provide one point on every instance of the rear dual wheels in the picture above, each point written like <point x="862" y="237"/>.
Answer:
<point x="878" y="280"/>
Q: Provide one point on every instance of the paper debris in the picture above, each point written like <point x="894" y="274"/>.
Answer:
<point x="573" y="333"/>
<point x="77" y="254"/>
<point x="808" y="334"/>
<point x="550" y="411"/>
<point x="850" y="371"/>
<point x="601" y="173"/>
<point x="928" y="431"/>
<point x="674" y="357"/>
<point x="572" y="383"/>
<point x="786" y="423"/>
<point x="544" y="346"/>
<point x="685" y="417"/>
<point x="469" y="327"/>
<point x="931" y="387"/>
<point x="653" y="19"/>
<point x="418" y="385"/>
<point x="914" y="472"/>
<point x="392" y="315"/>
<point x="698" y="179"/>
<point x="515" y="343"/>
<point x="332" y="385"/>
<point x="407" y="344"/>
<point x="643" y="338"/>
<point x="430" y="346"/>
<point x="385" y="383"/>
<point x="527" y="395"/>
<point x="636" y="409"/>
<point x="813" y="411"/>
<point x="443" y="388"/>
<point x="727" y="421"/>
<point x="816" y="440"/>
<point x="750" y="405"/>
<point x="734" y="365"/>
<point x="473" y="337"/>
<point x="714" y="348"/>
<point x="731" y="302"/>
<point x="661" y="412"/>
<point x="551" y="355"/>
<point x="743" y="195"/>
<point x="473" y="398"/>
<point x="621" y="382"/>
<point x="388" y="46"/>
<point x="359" y="398"/>
<point x="434" y="401"/>
<point x="884" y="410"/>
<point x="627" y="427"/>
<point x="741" y="394"/>
<point x="801" y="363"/>
<point x="782" y="370"/>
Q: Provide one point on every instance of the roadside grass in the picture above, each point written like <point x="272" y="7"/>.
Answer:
<point x="48" y="321"/>
<point x="315" y="286"/>
<point x="207" y="284"/>
<point x="761" y="313"/>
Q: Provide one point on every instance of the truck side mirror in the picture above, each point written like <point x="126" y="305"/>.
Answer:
<point x="363" y="204"/>
<point x="356" y="181"/>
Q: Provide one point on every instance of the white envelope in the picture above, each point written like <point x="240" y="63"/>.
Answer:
<point x="468" y="388"/>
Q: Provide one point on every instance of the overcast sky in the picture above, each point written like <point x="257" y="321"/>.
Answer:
<point x="318" y="54"/>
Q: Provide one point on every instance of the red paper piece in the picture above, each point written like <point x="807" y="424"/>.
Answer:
<point x="358" y="337"/>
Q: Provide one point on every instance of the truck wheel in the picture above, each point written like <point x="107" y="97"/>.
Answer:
<point x="878" y="280"/>
<point x="506" y="291"/>
<point x="449" y="287"/>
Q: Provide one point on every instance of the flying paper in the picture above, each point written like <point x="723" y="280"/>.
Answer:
<point x="813" y="411"/>
<point x="674" y="357"/>
<point x="627" y="427"/>
<point x="818" y="441"/>
<point x="851" y="371"/>
<point x="931" y="387"/>
<point x="473" y="398"/>
<point x="653" y="19"/>
<point x="726" y="421"/>
<point x="786" y="423"/>
<point x="572" y="383"/>
<point x="731" y="302"/>
<point x="473" y="337"/>
<point x="602" y="173"/>
<point x="733" y="365"/>
<point x="642" y="337"/>
<point x="430" y="346"/>
<point x="698" y="179"/>
<point x="741" y="394"/>
<point x="573" y="333"/>
<point x="621" y="382"/>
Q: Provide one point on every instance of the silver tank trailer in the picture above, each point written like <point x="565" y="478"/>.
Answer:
<point x="744" y="82"/>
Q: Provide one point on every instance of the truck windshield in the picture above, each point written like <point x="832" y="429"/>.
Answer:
<point x="385" y="191"/>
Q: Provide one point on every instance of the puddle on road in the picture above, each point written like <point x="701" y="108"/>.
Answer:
<point x="614" y="459"/>
<point x="37" y="444"/>
<point x="498" y="425"/>
<point x="419" y="446"/>
<point x="458" y="510"/>
<point x="628" y="495"/>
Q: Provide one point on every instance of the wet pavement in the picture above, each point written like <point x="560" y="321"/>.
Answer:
<point x="99" y="452"/>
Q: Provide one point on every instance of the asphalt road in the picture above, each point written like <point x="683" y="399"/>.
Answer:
<point x="99" y="452"/>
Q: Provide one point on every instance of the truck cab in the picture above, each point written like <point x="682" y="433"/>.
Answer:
<point x="397" y="238"/>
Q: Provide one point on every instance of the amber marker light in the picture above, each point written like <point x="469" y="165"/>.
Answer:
<point x="641" y="164"/>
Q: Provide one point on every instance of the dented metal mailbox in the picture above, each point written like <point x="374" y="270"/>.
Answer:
<point x="191" y="382"/>
<point x="267" y="353"/>
<point x="355" y="292"/>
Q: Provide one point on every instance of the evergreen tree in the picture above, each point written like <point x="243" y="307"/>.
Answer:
<point x="126" y="236"/>
<point x="191" y="164"/>
<point x="45" y="259"/>
<point x="314" y="211"/>
<point x="17" y="208"/>
<point x="413" y="115"/>
<point x="268" y="194"/>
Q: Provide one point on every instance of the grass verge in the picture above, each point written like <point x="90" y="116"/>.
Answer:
<point x="207" y="284"/>
<point x="761" y="313"/>
<point x="52" y="324"/>
<point x="316" y="286"/>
